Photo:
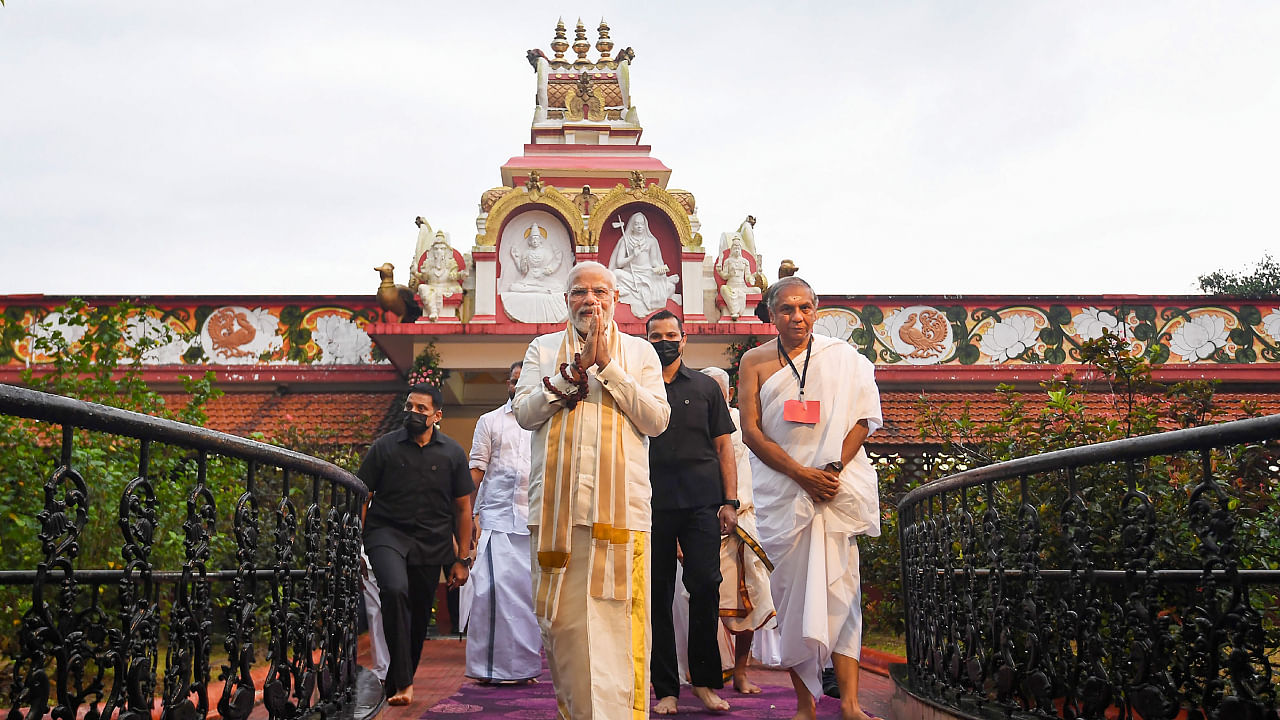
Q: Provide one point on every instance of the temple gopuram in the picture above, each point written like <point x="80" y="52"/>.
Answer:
<point x="585" y="187"/>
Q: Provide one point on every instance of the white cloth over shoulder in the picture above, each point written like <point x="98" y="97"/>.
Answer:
<point x="815" y="588"/>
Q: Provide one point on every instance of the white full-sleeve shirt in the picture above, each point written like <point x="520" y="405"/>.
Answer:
<point x="635" y="383"/>
<point x="500" y="449"/>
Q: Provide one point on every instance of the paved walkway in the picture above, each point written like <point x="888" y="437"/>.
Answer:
<point x="441" y="689"/>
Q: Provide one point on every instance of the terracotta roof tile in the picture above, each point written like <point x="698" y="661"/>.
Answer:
<point x="336" y="418"/>
<point x="901" y="410"/>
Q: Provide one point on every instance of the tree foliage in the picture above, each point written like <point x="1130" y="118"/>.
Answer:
<point x="1262" y="281"/>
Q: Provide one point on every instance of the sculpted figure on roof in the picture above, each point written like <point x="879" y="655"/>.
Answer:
<point x="643" y="282"/>
<point x="436" y="272"/>
<point x="736" y="272"/>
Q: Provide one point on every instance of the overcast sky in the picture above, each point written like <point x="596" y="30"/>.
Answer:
<point x="889" y="148"/>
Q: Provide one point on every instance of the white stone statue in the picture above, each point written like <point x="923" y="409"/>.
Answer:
<point x="437" y="273"/>
<point x="537" y="263"/>
<point x="535" y="258"/>
<point x="643" y="282"/>
<point x="736" y="272"/>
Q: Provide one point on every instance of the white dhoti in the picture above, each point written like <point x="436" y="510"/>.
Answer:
<point x="598" y="649"/>
<point x="815" y="580"/>
<point x="373" y="610"/>
<point x="503" y="638"/>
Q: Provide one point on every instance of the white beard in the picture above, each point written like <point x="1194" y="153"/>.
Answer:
<point x="583" y="323"/>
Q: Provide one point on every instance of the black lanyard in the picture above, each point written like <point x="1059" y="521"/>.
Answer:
<point x="800" y="376"/>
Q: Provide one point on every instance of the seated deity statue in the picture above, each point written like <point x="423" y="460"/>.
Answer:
<point x="536" y="271"/>
<point x="643" y="282"/>
<point x="537" y="264"/>
<point x="735" y="270"/>
<point x="438" y="277"/>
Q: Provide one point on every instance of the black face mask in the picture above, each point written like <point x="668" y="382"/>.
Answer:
<point x="668" y="351"/>
<point x="415" y="423"/>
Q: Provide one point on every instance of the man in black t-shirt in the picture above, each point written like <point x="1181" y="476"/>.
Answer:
<point x="695" y="500"/>
<point x="419" y="511"/>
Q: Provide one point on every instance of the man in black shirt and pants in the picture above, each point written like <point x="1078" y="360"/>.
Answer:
<point x="695" y="500"/>
<point x="419" y="507"/>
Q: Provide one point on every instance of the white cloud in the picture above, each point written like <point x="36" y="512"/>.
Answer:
<point x="286" y="146"/>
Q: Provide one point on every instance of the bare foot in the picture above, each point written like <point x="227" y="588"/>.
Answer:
<point x="806" y="710"/>
<point x="665" y="706"/>
<point x="404" y="697"/>
<point x="528" y="681"/>
<point x="850" y="710"/>
<point x="710" y="700"/>
<point x="745" y="686"/>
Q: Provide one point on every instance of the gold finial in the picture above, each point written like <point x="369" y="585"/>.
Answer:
<point x="560" y="44"/>
<point x="604" y="45"/>
<point x="580" y="43"/>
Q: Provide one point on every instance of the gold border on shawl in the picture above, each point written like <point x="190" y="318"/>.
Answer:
<point x="605" y="531"/>
<point x="639" y="626"/>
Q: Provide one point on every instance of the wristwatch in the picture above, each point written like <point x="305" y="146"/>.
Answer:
<point x="466" y="561"/>
<point x="736" y="503"/>
<point x="835" y="466"/>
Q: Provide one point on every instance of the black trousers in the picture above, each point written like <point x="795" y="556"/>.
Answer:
<point x="698" y="532"/>
<point x="407" y="592"/>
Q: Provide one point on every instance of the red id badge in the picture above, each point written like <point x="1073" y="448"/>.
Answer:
<point x="802" y="411"/>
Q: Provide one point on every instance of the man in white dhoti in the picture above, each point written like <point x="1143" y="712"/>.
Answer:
<point x="808" y="403"/>
<point x="503" y="639"/>
<point x="592" y="397"/>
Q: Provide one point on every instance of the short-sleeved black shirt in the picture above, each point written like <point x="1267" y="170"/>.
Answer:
<point x="414" y="491"/>
<point x="684" y="468"/>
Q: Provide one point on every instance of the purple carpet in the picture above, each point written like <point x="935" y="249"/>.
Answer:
<point x="538" y="702"/>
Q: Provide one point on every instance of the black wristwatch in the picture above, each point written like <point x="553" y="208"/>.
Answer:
<point x="737" y="504"/>
<point x="466" y="561"/>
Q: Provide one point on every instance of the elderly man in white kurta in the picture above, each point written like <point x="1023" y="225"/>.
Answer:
<point x="592" y="397"/>
<point x="808" y="402"/>
<point x="503" y="639"/>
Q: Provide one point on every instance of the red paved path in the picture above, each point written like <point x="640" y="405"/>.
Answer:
<point x="443" y="659"/>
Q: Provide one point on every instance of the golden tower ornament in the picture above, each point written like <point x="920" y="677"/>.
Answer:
<point x="604" y="45"/>
<point x="561" y="43"/>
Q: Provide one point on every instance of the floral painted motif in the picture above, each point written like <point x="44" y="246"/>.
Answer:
<point x="836" y="323"/>
<point x="1010" y="337"/>
<point x="1199" y="337"/>
<point x="142" y="327"/>
<point x="1271" y="324"/>
<point x="341" y="341"/>
<point x="1090" y="322"/>
<point x="57" y="323"/>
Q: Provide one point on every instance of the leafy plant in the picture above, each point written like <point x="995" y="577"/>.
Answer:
<point x="426" y="368"/>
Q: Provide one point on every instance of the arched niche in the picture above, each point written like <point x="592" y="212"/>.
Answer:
<point x="640" y="289"/>
<point x="535" y="250"/>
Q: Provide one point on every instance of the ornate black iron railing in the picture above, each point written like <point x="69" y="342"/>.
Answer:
<point x="1134" y="576"/>
<point x="136" y="635"/>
